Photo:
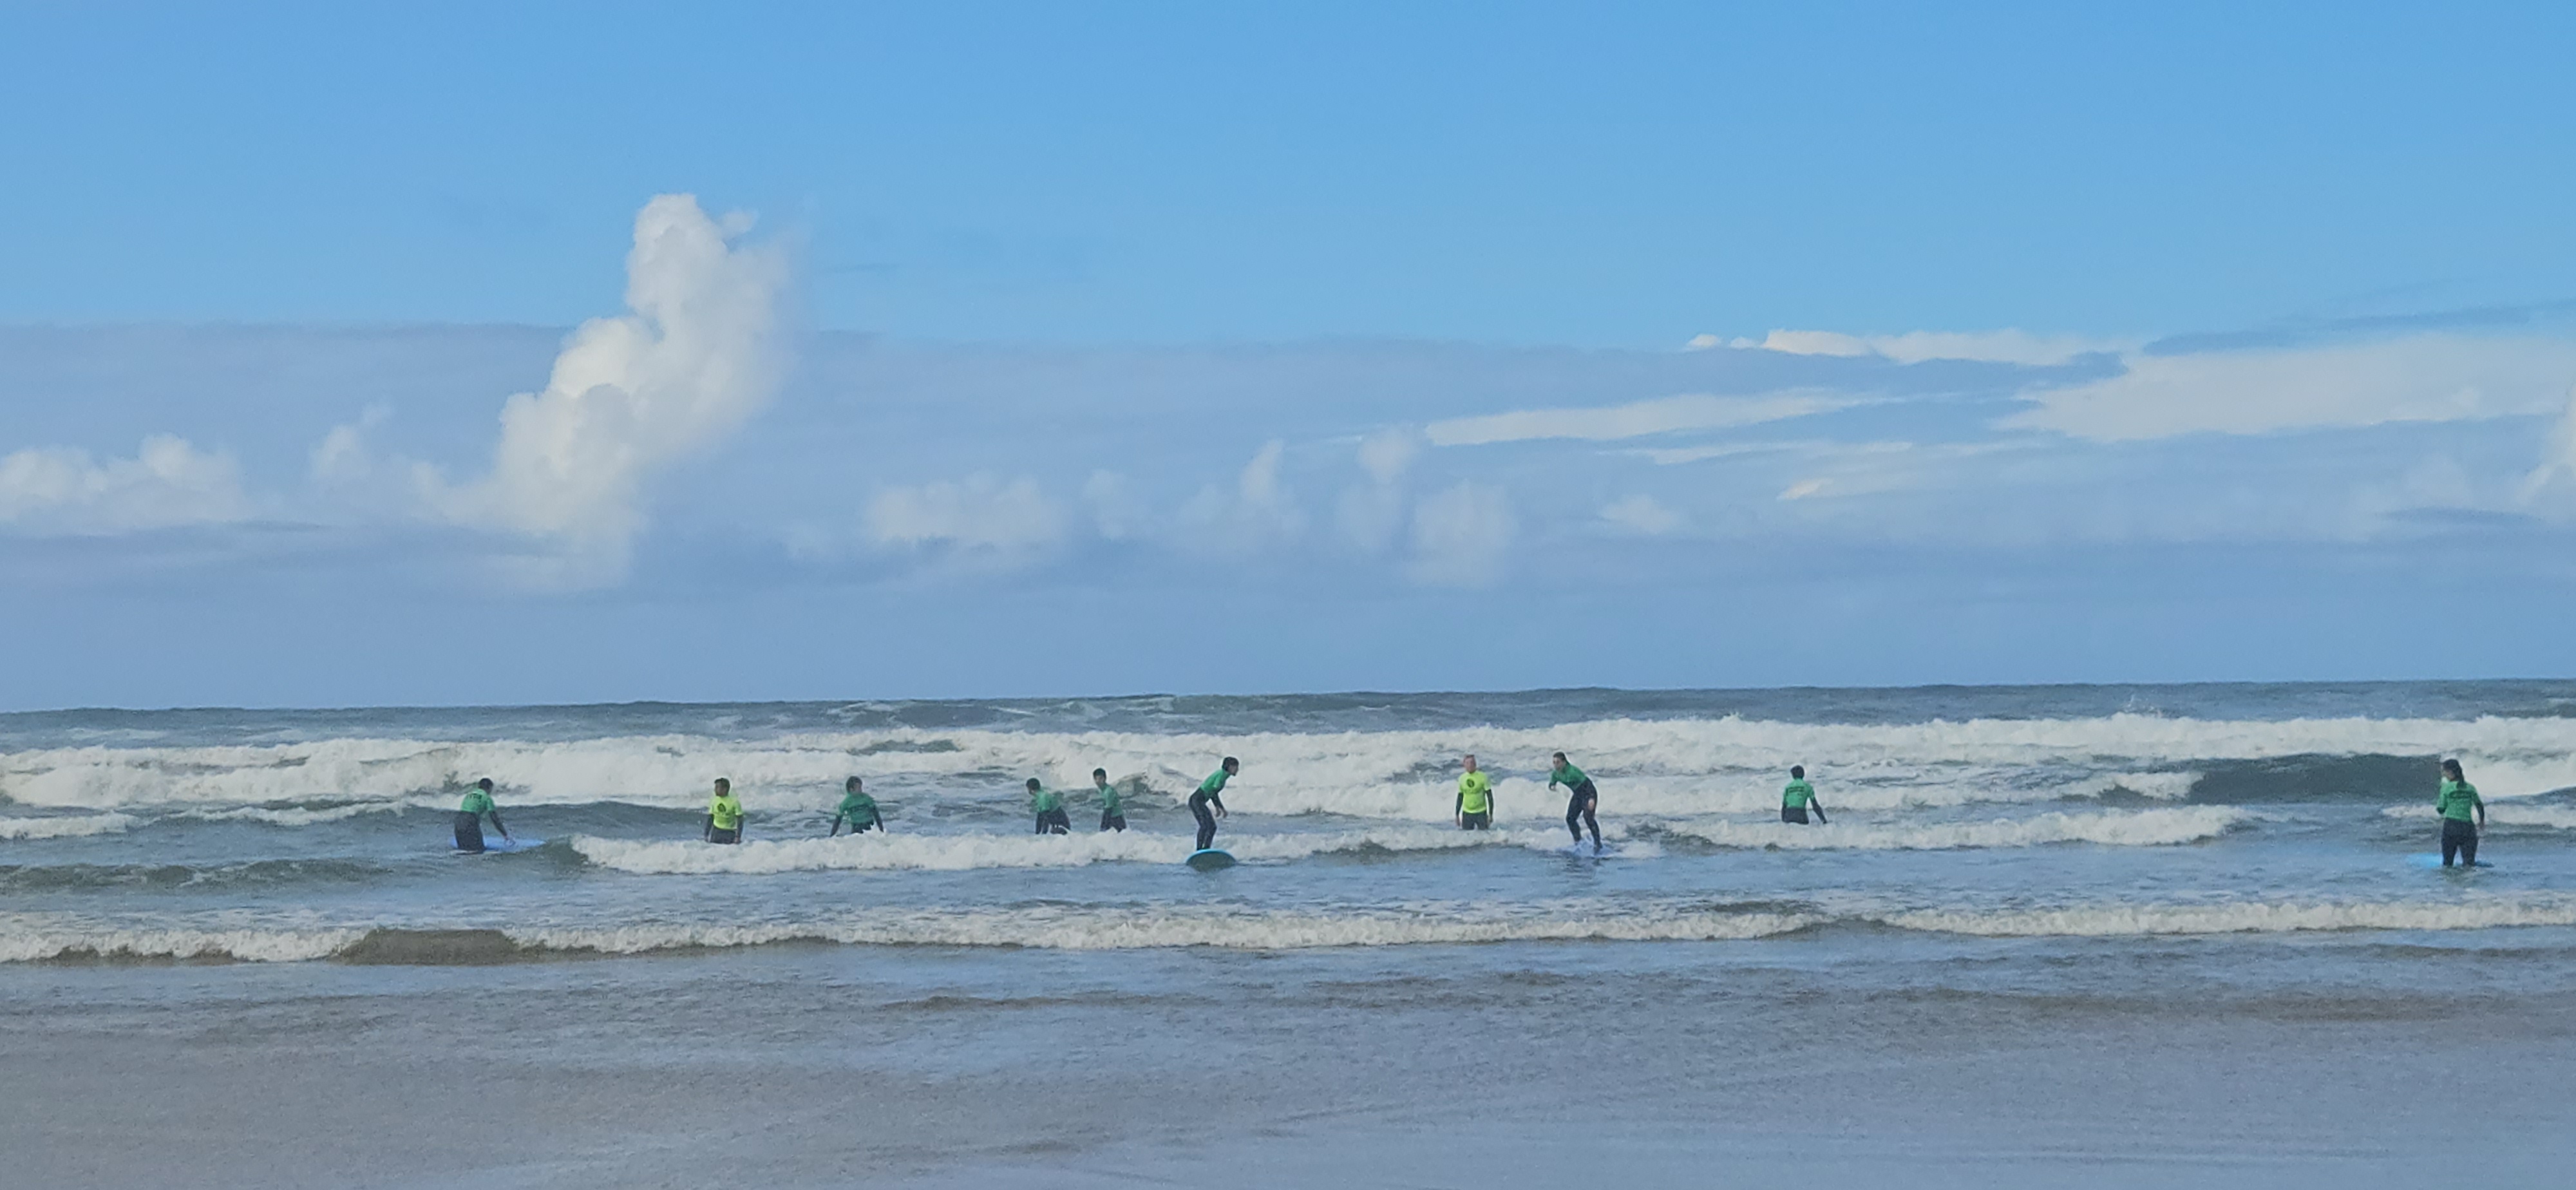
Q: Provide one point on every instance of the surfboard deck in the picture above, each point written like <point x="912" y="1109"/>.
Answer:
<point x="1210" y="860"/>
<point x="496" y="846"/>
<point x="2435" y="861"/>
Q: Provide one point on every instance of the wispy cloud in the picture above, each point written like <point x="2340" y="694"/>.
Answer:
<point x="1637" y="419"/>
<point x="2003" y="346"/>
<point x="2419" y="378"/>
<point x="1642" y="514"/>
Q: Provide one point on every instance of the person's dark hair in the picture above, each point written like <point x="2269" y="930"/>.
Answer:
<point x="1033" y="785"/>
<point x="485" y="785"/>
<point x="852" y="784"/>
<point x="724" y="784"/>
<point x="1100" y="774"/>
<point x="2451" y="768"/>
<point x="1797" y="772"/>
<point x="1232" y="763"/>
<point x="1560" y="758"/>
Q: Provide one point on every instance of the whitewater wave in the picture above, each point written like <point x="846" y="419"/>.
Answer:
<point x="1655" y="767"/>
<point x="2559" y="817"/>
<point x="2101" y="921"/>
<point x="65" y="827"/>
<point x="885" y="852"/>
<point x="2141" y="828"/>
<point x="1164" y="927"/>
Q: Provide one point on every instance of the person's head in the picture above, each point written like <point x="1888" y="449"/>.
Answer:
<point x="1232" y="766"/>
<point x="2451" y="769"/>
<point x="485" y="785"/>
<point x="1797" y="772"/>
<point x="852" y="785"/>
<point x="724" y="787"/>
<point x="1100" y="776"/>
<point x="1471" y="762"/>
<point x="1560" y="759"/>
<point x="1033" y="785"/>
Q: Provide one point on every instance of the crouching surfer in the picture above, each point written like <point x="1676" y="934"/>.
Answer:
<point x="469" y="817"/>
<point x="724" y="814"/>
<point x="857" y="809"/>
<point x="1050" y="809"/>
<point x="1207" y="795"/>
<point x="2457" y="802"/>
<point x="1798" y="797"/>
<point x="1475" y="798"/>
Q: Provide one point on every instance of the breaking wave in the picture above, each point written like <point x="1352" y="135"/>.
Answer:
<point x="2141" y="828"/>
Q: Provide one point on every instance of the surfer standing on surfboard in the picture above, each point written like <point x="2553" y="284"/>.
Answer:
<point x="1207" y="796"/>
<point x="478" y="802"/>
<point x="1584" y="801"/>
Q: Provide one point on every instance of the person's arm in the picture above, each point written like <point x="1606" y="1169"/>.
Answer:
<point x="1460" y="812"/>
<point x="1819" y="804"/>
<point x="2481" y="804"/>
<point x="836" y="825"/>
<point x="710" y="835"/>
<point x="496" y="823"/>
<point x="875" y="816"/>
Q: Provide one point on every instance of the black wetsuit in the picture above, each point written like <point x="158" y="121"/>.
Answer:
<point x="1054" y="822"/>
<point x="2460" y="839"/>
<point x="469" y="831"/>
<point x="1207" y="819"/>
<point x="1579" y="807"/>
<point x="1793" y="814"/>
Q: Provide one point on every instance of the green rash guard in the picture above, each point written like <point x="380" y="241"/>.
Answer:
<point x="1475" y="793"/>
<point x="2459" y="801"/>
<point x="1109" y="803"/>
<point x="476" y="802"/>
<point x="725" y="812"/>
<point x="858" y="808"/>
<point x="1798" y="794"/>
<point x="1214" y="785"/>
<point x="1045" y="799"/>
<point x="1566" y="775"/>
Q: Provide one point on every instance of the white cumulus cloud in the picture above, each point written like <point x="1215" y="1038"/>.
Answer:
<point x="1371" y="513"/>
<point x="698" y="353"/>
<point x="980" y="514"/>
<point x="1462" y="536"/>
<point x="1260" y="511"/>
<point x="168" y="483"/>
<point x="1636" y="419"/>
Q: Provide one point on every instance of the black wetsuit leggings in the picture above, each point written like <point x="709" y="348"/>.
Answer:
<point x="1054" y="822"/>
<point x="469" y="831"/>
<point x="1207" y="820"/>
<point x="1579" y="809"/>
<point x="1112" y="820"/>
<point x="2461" y="839"/>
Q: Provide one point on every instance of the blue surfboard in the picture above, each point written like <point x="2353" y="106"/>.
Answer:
<point x="1210" y="860"/>
<point x="2435" y="861"/>
<point x="493" y="846"/>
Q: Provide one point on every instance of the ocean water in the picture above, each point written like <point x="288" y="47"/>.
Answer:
<point x="2149" y="928"/>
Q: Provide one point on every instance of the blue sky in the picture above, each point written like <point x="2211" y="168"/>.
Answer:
<point x="1033" y="349"/>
